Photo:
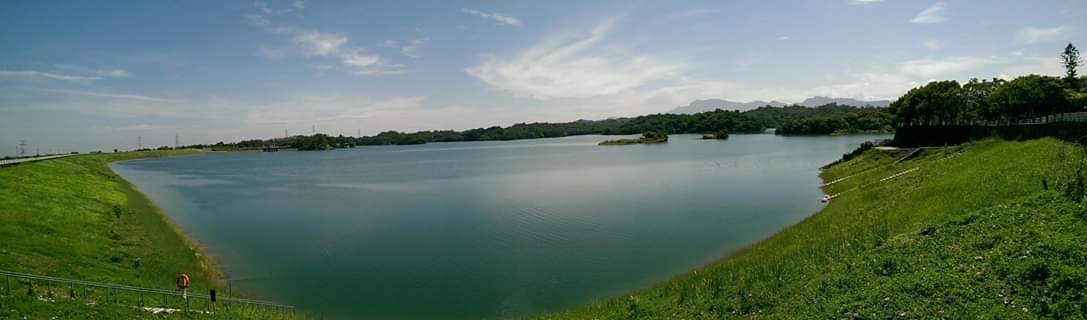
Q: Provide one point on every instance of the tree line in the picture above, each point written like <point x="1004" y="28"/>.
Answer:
<point x="798" y="120"/>
<point x="997" y="99"/>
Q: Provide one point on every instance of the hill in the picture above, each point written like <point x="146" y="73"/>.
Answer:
<point x="711" y="104"/>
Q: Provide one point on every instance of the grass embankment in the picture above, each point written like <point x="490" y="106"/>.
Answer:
<point x="973" y="232"/>
<point x="75" y="218"/>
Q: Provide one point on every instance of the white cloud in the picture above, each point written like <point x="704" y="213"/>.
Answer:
<point x="364" y="64"/>
<point x="933" y="14"/>
<point x="945" y="66"/>
<point x="1038" y="34"/>
<point x="408" y="48"/>
<point x="568" y="66"/>
<point x="783" y="38"/>
<point x="864" y="2"/>
<point x="933" y="44"/>
<point x="314" y="43"/>
<point x="111" y="95"/>
<point x="40" y="74"/>
<point x="499" y="17"/>
<point x="113" y="73"/>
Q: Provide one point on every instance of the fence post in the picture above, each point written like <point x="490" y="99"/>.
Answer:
<point x="165" y="301"/>
<point x="71" y="291"/>
<point x="30" y="288"/>
<point x="141" y="299"/>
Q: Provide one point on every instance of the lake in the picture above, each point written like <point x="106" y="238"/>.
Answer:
<point x="470" y="230"/>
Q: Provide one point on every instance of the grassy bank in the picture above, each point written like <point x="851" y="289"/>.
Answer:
<point x="74" y="218"/>
<point x="972" y="232"/>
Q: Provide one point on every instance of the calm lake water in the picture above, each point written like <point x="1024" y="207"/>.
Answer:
<point x="473" y="230"/>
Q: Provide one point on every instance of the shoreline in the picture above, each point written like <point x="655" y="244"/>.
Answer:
<point x="209" y="264"/>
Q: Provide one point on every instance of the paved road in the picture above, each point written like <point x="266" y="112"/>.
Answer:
<point x="4" y="163"/>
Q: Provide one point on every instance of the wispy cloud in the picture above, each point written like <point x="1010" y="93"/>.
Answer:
<point x="47" y="75"/>
<point x="863" y="2"/>
<point x="932" y="14"/>
<point x="568" y="66"/>
<point x="110" y="95"/>
<point x="945" y="66"/>
<point x="315" y="44"/>
<point x="364" y="64"/>
<point x="113" y="73"/>
<point x="933" y="44"/>
<point x="408" y="48"/>
<point x="1038" y="34"/>
<point x="783" y="38"/>
<point x="499" y="17"/>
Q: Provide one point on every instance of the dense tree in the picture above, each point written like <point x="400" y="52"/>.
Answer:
<point x="937" y="101"/>
<point x="1030" y="96"/>
<point x="1071" y="61"/>
<point x="977" y="97"/>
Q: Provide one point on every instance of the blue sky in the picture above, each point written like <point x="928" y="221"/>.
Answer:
<point x="87" y="76"/>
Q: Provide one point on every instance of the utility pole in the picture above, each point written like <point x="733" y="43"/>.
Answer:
<point x="139" y="142"/>
<point x="285" y="134"/>
<point x="314" y="129"/>
<point x="359" y="135"/>
<point x="177" y="140"/>
<point x="22" y="147"/>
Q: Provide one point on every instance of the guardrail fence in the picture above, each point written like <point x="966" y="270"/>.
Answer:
<point x="1053" y="118"/>
<point x="44" y="287"/>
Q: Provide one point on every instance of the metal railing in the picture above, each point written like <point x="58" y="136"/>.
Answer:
<point x="1053" y="118"/>
<point x="11" y="162"/>
<point x="53" y="288"/>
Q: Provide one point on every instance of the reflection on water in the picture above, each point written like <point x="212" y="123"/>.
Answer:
<point x="484" y="229"/>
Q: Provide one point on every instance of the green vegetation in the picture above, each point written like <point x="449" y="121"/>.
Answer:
<point x="74" y="218"/>
<point x="826" y="119"/>
<point x="719" y="135"/>
<point x="926" y="244"/>
<point x="997" y="100"/>
<point x="646" y="138"/>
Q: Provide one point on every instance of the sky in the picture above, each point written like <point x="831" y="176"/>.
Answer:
<point x="83" y="76"/>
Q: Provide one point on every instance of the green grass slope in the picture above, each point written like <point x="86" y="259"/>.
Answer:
<point x="74" y="218"/>
<point x="972" y="232"/>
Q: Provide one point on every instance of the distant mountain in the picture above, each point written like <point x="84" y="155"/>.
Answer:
<point x="818" y="101"/>
<point x="711" y="104"/>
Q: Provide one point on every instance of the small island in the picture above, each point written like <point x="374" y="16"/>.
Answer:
<point x="651" y="137"/>
<point x="718" y="135"/>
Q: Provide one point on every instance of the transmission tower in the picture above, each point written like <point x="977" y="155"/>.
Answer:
<point x="22" y="147"/>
